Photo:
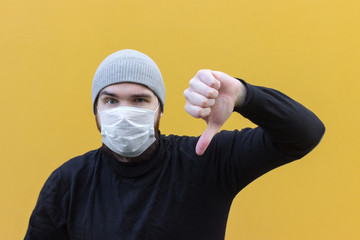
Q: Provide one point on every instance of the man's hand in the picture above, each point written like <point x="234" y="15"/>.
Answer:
<point x="212" y="96"/>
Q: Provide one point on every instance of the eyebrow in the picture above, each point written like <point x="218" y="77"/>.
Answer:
<point x="107" y="93"/>
<point x="140" y="95"/>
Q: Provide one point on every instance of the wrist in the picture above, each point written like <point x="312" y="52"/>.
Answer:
<point x="241" y="95"/>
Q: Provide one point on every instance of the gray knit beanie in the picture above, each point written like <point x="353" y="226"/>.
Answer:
<point x="129" y="66"/>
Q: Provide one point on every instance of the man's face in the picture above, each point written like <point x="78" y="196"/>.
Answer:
<point x="130" y="95"/>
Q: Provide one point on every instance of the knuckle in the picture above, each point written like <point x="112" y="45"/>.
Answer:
<point x="192" y="110"/>
<point x="202" y="112"/>
<point x="189" y="96"/>
<point x="204" y="103"/>
<point x="212" y="93"/>
<point x="203" y="72"/>
<point x="192" y="82"/>
<point x="214" y="83"/>
<point x="186" y="92"/>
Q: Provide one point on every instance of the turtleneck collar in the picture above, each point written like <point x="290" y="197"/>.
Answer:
<point x="136" y="168"/>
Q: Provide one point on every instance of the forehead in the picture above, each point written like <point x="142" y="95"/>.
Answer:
<point x="127" y="89"/>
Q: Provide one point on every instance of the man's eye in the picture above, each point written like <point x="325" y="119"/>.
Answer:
<point x="139" y="100"/>
<point x="111" y="101"/>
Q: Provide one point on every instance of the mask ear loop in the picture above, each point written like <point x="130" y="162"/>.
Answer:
<point x="97" y="108"/>
<point x="157" y="108"/>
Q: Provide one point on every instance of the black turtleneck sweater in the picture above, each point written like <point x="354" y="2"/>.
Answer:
<point x="174" y="194"/>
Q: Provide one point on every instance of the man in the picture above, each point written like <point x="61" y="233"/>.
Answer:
<point x="143" y="185"/>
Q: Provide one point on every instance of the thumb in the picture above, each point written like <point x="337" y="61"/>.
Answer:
<point x="206" y="138"/>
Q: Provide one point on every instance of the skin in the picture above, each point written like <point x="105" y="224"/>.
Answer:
<point x="130" y="95"/>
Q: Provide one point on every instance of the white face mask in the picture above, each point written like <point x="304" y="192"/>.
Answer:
<point x="128" y="131"/>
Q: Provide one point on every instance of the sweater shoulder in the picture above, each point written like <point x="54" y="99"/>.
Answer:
<point x="75" y="167"/>
<point x="59" y="182"/>
<point x="80" y="162"/>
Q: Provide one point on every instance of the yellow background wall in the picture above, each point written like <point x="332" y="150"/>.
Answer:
<point x="309" y="49"/>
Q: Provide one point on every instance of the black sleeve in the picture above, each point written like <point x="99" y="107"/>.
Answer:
<point x="48" y="219"/>
<point x="294" y="129"/>
<point x="286" y="131"/>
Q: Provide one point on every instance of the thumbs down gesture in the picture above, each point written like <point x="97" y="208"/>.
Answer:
<point x="212" y="96"/>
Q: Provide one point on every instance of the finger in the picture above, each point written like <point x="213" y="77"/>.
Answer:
<point x="205" y="139"/>
<point x="198" y="86"/>
<point x="196" y="111"/>
<point x="220" y="75"/>
<point x="208" y="78"/>
<point x="197" y="99"/>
